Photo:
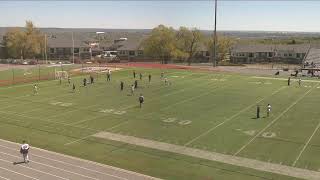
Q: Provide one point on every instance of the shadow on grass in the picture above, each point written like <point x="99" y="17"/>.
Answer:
<point x="20" y="162"/>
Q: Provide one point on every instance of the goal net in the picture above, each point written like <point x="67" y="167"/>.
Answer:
<point x="61" y="74"/>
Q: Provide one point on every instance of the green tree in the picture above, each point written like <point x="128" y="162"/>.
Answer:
<point x="223" y="46"/>
<point x="162" y="44"/>
<point x="24" y="43"/>
<point x="188" y="41"/>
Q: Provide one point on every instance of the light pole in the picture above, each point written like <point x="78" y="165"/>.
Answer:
<point x="45" y="48"/>
<point x="214" y="57"/>
<point x="73" y="49"/>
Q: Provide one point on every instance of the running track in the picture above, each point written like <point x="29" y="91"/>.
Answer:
<point x="48" y="165"/>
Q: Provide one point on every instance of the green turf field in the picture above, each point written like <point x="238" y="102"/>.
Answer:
<point x="209" y="111"/>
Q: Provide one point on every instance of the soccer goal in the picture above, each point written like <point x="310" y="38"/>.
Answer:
<point x="61" y="74"/>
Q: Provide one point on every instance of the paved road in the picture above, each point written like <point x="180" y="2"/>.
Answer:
<point x="51" y="166"/>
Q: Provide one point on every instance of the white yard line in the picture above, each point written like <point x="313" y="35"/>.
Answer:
<point x="230" y="118"/>
<point x="273" y="121"/>
<point x="36" y="170"/>
<point x="83" y="160"/>
<point x="213" y="156"/>
<point x="283" y="79"/>
<point x="77" y="140"/>
<point x="306" y="144"/>
<point x="1" y="177"/>
<point x="15" y="172"/>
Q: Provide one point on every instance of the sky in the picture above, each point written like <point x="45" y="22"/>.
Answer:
<point x="232" y="14"/>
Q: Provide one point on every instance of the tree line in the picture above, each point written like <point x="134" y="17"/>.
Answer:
<point x="163" y="43"/>
<point x="166" y="43"/>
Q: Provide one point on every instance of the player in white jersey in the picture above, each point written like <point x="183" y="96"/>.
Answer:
<point x="268" y="110"/>
<point x="35" y="89"/>
<point x="24" y="150"/>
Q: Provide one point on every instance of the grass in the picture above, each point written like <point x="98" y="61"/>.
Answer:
<point x="218" y="109"/>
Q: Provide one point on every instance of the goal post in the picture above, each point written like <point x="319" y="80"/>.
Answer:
<point x="61" y="74"/>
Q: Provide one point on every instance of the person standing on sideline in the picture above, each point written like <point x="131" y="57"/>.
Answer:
<point x="268" y="110"/>
<point x="299" y="81"/>
<point x="140" y="76"/>
<point x="121" y="85"/>
<point x="136" y="84"/>
<point x="289" y="81"/>
<point x="85" y="82"/>
<point x="24" y="150"/>
<point x="134" y="74"/>
<point x="73" y="88"/>
<point x="91" y="79"/>
<point x="108" y="75"/>
<point x="132" y="90"/>
<point x="141" y="100"/>
<point x="258" y="111"/>
<point x="35" y="89"/>
<point x="149" y="78"/>
<point x="69" y="80"/>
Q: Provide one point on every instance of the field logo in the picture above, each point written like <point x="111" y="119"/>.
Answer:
<point x="112" y="111"/>
<point x="180" y="122"/>
<point x="57" y="103"/>
<point x="269" y="134"/>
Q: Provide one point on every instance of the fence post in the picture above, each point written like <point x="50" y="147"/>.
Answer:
<point x="12" y="75"/>
<point x="38" y="72"/>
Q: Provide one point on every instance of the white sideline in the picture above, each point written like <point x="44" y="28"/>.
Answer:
<point x="18" y="173"/>
<point x="306" y="144"/>
<point x="86" y="161"/>
<point x="36" y="170"/>
<point x="284" y="79"/>
<point x="1" y="177"/>
<point x="273" y="121"/>
<point x="230" y="118"/>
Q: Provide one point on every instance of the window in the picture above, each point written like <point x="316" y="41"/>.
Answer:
<point x="250" y="54"/>
<point x="270" y="54"/>
<point x="52" y="50"/>
<point x="131" y="53"/>
<point x="207" y="53"/>
<point x="298" y="55"/>
<point x="76" y="50"/>
<point x="285" y="54"/>
<point x="290" y="54"/>
<point x="140" y="52"/>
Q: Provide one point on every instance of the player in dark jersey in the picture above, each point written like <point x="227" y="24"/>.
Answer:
<point x="141" y="100"/>
<point x="121" y="85"/>
<point x="149" y="78"/>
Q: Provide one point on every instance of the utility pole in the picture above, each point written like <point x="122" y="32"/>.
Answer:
<point x="45" y="48"/>
<point x="214" y="57"/>
<point x="73" y="49"/>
